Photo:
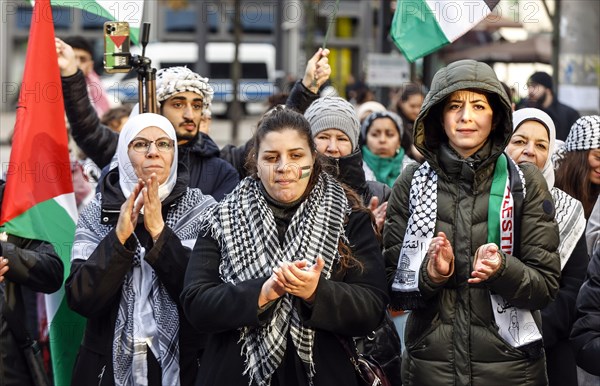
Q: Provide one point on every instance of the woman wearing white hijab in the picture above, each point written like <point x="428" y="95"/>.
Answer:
<point x="533" y="141"/>
<point x="131" y="249"/>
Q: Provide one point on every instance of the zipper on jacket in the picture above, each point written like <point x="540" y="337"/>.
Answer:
<point x="101" y="375"/>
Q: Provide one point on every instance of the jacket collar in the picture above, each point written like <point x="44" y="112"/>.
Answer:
<point x="202" y="145"/>
<point x="473" y="170"/>
<point x="349" y="171"/>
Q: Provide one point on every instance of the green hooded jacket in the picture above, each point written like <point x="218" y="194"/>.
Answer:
<point x="453" y="338"/>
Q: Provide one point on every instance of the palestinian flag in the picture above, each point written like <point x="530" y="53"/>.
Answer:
<point x="39" y="202"/>
<point x="114" y="10"/>
<point x="421" y="27"/>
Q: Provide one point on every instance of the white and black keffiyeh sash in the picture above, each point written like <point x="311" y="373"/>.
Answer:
<point x="418" y="235"/>
<point x="245" y="229"/>
<point x="184" y="218"/>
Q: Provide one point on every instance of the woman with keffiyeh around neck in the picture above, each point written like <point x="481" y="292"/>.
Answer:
<point x="131" y="248"/>
<point x="470" y="241"/>
<point x="289" y="264"/>
<point x="534" y="141"/>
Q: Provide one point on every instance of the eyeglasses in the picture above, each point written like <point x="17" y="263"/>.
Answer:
<point x="141" y="145"/>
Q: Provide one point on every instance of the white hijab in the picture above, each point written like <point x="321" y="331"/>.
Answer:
<point x="537" y="115"/>
<point x="128" y="179"/>
<point x="569" y="211"/>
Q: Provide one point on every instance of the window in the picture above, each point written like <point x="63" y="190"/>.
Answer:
<point x="186" y="20"/>
<point x="250" y="70"/>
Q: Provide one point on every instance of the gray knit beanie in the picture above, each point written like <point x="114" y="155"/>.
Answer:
<point x="334" y="113"/>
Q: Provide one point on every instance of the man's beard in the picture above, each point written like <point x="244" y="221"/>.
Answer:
<point x="185" y="135"/>
<point x="539" y="103"/>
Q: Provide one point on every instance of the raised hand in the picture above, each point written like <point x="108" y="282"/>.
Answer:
<point x="153" y="220"/>
<point x="441" y="259"/>
<point x="67" y="63"/>
<point x="378" y="211"/>
<point x="317" y="70"/>
<point x="129" y="214"/>
<point x="299" y="279"/>
<point x="486" y="263"/>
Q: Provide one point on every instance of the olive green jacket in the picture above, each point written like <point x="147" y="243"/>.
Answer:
<point x="453" y="338"/>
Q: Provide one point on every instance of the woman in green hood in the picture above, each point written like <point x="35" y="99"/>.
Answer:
<point x="470" y="241"/>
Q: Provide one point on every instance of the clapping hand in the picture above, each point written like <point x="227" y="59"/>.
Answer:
<point x="153" y="220"/>
<point x="378" y="211"/>
<point x="486" y="263"/>
<point x="441" y="258"/>
<point x="129" y="214"/>
<point x="298" y="278"/>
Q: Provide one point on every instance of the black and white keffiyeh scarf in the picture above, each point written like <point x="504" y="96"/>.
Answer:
<point x="571" y="223"/>
<point x="417" y="237"/>
<point x="129" y="359"/>
<point x="244" y="226"/>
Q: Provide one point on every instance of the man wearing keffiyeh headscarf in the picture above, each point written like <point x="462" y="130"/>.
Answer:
<point x="184" y="97"/>
<point x="131" y="247"/>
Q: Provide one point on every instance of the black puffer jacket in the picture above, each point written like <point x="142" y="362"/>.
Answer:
<point x="585" y="336"/>
<point x="33" y="264"/>
<point x="453" y="339"/>
<point x="208" y="172"/>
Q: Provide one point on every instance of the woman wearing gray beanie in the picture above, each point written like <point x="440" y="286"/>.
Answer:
<point x="335" y="129"/>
